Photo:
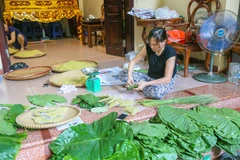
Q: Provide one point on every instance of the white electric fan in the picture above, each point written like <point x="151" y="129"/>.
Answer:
<point x="217" y="34"/>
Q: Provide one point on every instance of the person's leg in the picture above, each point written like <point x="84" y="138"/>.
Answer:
<point x="137" y="76"/>
<point x="21" y="40"/>
<point x="158" y="91"/>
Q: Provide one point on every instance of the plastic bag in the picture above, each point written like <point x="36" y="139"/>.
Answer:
<point x="165" y="13"/>
<point x="174" y="14"/>
<point x="162" y="13"/>
<point x="176" y="35"/>
<point x="130" y="55"/>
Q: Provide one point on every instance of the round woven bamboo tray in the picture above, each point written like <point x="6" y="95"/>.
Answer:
<point x="31" y="54"/>
<point x="68" y="77"/>
<point x="55" y="67"/>
<point x="12" y="51"/>
<point x="25" y="119"/>
<point x="28" y="73"/>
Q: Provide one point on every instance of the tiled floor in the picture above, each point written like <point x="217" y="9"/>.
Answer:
<point x="71" y="49"/>
<point x="36" y="145"/>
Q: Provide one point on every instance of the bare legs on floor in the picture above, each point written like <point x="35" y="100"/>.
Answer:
<point x="20" y="40"/>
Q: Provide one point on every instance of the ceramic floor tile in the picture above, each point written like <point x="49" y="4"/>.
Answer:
<point x="14" y="92"/>
<point x="112" y="63"/>
<point x="222" y="90"/>
<point x="182" y="83"/>
<point x="233" y="103"/>
<point x="72" y="49"/>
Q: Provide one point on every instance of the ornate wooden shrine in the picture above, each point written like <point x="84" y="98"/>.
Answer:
<point x="44" y="11"/>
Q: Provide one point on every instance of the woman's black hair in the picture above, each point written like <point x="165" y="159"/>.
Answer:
<point x="159" y="34"/>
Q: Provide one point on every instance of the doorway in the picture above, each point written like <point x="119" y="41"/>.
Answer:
<point x="119" y="27"/>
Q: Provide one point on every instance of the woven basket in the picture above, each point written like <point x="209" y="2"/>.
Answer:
<point x="55" y="67"/>
<point x="30" y="54"/>
<point x="66" y="77"/>
<point x="28" y="73"/>
<point x="25" y="119"/>
<point x="12" y="51"/>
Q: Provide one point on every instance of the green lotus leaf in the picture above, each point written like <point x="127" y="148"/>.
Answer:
<point x="7" y="127"/>
<point x="10" y="145"/>
<point x="225" y="121"/>
<point x="156" y="149"/>
<point x="90" y="99"/>
<point x="127" y="150"/>
<point x="179" y="118"/>
<point x="46" y="99"/>
<point x="231" y="149"/>
<point x="94" y="141"/>
<point x="150" y="129"/>
<point x="230" y="141"/>
<point x="14" y="111"/>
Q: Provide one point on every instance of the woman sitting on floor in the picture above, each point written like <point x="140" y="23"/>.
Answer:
<point x="15" y="37"/>
<point x="162" y="67"/>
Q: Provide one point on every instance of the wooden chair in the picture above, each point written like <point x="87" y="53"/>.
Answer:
<point x="196" y="10"/>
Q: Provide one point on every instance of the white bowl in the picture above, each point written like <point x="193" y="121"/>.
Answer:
<point x="89" y="70"/>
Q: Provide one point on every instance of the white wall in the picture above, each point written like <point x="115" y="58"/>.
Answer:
<point x="179" y="5"/>
<point x="92" y="7"/>
<point x="232" y="5"/>
<point x="80" y="5"/>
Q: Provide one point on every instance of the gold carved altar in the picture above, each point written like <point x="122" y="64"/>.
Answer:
<point x="44" y="11"/>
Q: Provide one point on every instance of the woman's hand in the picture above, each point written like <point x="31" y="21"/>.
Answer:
<point x="141" y="85"/>
<point x="130" y="82"/>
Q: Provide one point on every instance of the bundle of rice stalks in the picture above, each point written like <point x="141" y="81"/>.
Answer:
<point x="198" y="99"/>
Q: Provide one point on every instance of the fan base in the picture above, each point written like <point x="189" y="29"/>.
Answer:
<point x="210" y="77"/>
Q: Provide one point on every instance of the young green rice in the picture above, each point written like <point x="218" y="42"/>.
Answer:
<point x="75" y="65"/>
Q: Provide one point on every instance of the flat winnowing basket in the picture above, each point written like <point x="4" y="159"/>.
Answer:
<point x="73" y="65"/>
<point x="28" y="73"/>
<point x="25" y="119"/>
<point x="29" y="54"/>
<point x="75" y="77"/>
<point x="12" y="50"/>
